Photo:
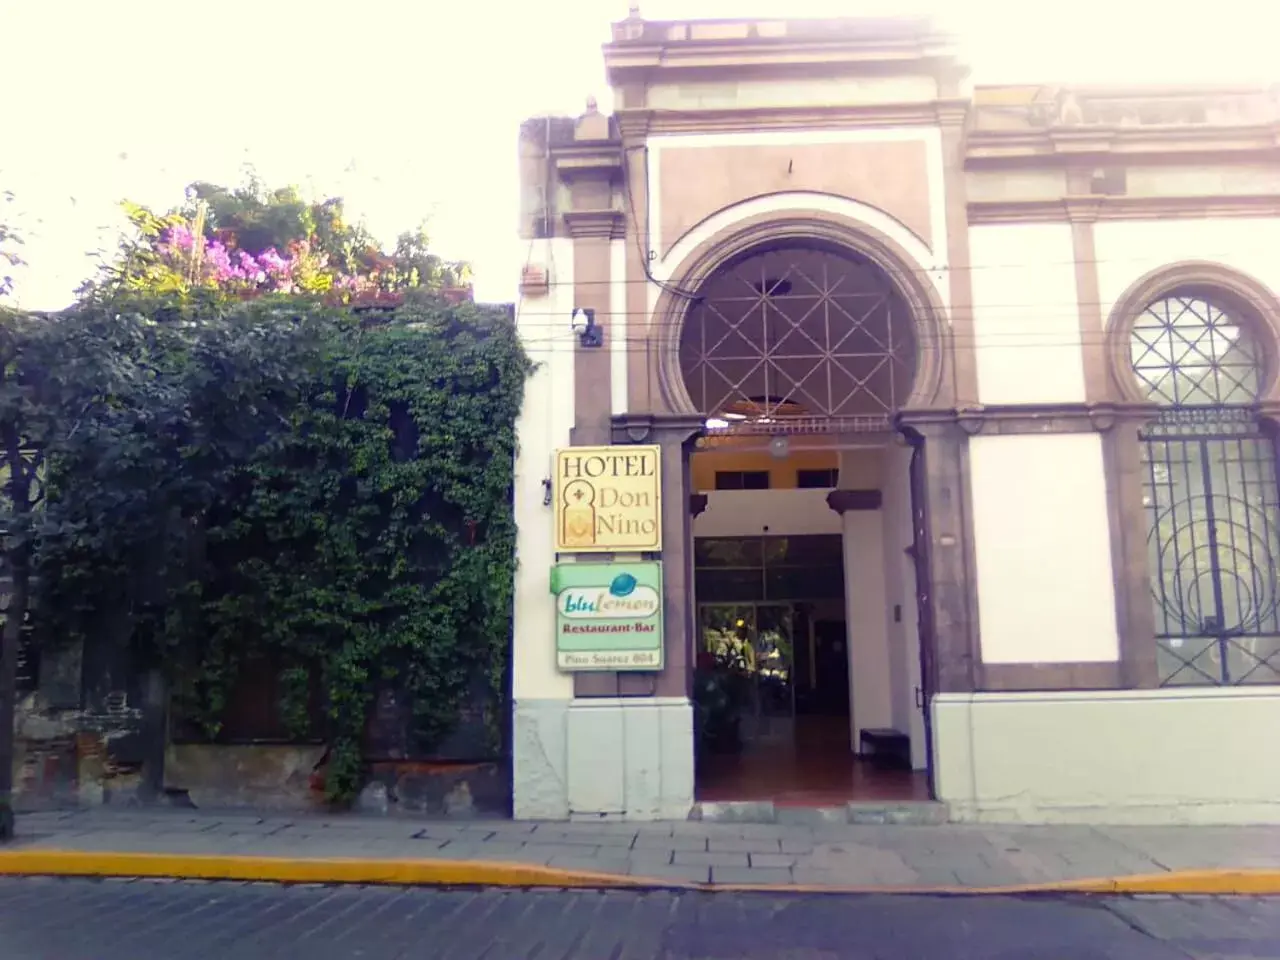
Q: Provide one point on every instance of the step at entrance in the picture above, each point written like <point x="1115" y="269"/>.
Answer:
<point x="917" y="813"/>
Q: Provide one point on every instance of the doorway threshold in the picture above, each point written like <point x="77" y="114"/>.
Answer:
<point x="902" y="813"/>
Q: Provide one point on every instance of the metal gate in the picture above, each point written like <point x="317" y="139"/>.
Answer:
<point x="1213" y="545"/>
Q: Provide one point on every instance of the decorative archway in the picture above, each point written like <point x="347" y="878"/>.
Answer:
<point x="799" y="246"/>
<point x="1234" y="292"/>
<point x="1202" y="348"/>
<point x="798" y="337"/>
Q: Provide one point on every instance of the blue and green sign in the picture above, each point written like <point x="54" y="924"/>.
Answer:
<point x="608" y="615"/>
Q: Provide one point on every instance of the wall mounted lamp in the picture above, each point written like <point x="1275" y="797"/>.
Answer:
<point x="583" y="322"/>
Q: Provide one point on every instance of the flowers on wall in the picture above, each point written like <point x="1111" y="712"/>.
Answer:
<point x="250" y="241"/>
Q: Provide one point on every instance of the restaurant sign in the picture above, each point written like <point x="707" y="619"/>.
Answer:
<point x="608" y="615"/>
<point x="608" y="499"/>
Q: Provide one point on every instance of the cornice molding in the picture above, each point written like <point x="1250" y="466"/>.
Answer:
<point x="1024" y="418"/>
<point x="632" y="123"/>
<point x="1052" y="146"/>
<point x="683" y="57"/>
<point x="600" y="224"/>
<point x="801" y="118"/>
<point x="1093" y="208"/>
<point x="599" y="161"/>
<point x="656" y="427"/>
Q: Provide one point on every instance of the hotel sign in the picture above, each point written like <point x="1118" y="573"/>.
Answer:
<point x="608" y="499"/>
<point x="608" y="615"/>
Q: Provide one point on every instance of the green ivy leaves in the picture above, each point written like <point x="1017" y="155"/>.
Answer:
<point x="277" y="482"/>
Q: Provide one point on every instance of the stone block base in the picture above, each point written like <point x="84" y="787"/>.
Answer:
<point x="455" y="790"/>
<point x="262" y="776"/>
<point x="603" y="759"/>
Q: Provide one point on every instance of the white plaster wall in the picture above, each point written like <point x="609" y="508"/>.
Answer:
<point x="870" y="680"/>
<point x="746" y="513"/>
<point x="1026" y="320"/>
<point x="546" y="418"/>
<point x="1015" y="185"/>
<point x="1127" y="250"/>
<point x="901" y="611"/>
<point x="893" y="496"/>
<point x="1042" y="542"/>
<point x="1201" y="179"/>
<point x="1171" y="756"/>
<point x="619" y="339"/>
<point x="630" y="759"/>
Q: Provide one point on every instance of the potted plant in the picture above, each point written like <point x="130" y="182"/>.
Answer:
<point x="720" y="686"/>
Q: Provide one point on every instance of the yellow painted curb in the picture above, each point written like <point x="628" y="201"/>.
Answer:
<point x="1260" y="882"/>
<point x="75" y="863"/>
<point x="482" y="873"/>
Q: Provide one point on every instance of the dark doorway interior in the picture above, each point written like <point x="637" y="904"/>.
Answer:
<point x="772" y="686"/>
<point x="824" y="679"/>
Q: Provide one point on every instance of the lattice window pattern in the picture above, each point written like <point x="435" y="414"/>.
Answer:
<point x="1211" y="496"/>
<point x="798" y="334"/>
<point x="1189" y="351"/>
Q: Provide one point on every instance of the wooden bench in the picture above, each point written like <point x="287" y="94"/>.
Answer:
<point x="887" y="749"/>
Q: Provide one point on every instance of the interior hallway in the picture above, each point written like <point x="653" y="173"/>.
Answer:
<point x="817" y="769"/>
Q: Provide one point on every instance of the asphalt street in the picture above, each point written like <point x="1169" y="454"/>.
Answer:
<point x="52" y="919"/>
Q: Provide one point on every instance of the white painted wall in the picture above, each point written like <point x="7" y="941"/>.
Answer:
<point x="619" y="339"/>
<point x="1046" y="593"/>
<point x="1026" y="316"/>
<point x="902" y="630"/>
<point x="629" y="759"/>
<point x="870" y="680"/>
<point x="1127" y="250"/>
<point x="546" y="418"/>
<point x="1141" y="756"/>
<point x="746" y="513"/>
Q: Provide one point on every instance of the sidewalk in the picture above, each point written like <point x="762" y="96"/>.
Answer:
<point x="950" y="858"/>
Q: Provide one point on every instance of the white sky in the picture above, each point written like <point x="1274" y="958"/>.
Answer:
<point x="370" y="101"/>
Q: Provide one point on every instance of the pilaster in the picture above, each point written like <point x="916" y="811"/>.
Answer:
<point x="676" y="436"/>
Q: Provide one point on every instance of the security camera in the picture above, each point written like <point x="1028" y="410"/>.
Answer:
<point x="583" y="322"/>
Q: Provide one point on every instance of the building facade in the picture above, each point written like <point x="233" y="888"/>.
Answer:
<point x="963" y="402"/>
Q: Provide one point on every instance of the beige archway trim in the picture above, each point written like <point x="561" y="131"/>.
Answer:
<point x="932" y="332"/>
<point x="1251" y="300"/>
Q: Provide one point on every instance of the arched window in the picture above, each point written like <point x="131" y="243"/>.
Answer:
<point x="799" y="335"/>
<point x="1210" y="492"/>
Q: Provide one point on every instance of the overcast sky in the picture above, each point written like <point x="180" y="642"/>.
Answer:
<point x="409" y="110"/>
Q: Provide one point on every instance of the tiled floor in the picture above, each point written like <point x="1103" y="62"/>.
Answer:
<point x="817" y="769"/>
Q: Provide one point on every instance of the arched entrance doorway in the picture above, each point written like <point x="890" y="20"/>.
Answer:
<point x="798" y="352"/>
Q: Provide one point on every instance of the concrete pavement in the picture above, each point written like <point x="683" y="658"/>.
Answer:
<point x="173" y="842"/>
<point x="67" y="919"/>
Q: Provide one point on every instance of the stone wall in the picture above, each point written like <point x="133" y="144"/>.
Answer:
<point x="76" y="744"/>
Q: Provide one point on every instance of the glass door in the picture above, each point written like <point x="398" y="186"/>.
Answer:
<point x="748" y="661"/>
<point x="775" y="675"/>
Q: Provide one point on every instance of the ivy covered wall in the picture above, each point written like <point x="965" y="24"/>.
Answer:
<point x="276" y="499"/>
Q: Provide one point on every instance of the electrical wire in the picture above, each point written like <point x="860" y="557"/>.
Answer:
<point x="1204" y="256"/>
<point x="645" y="249"/>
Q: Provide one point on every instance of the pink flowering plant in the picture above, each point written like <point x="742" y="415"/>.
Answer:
<point x="210" y="263"/>
<point x="251" y="241"/>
